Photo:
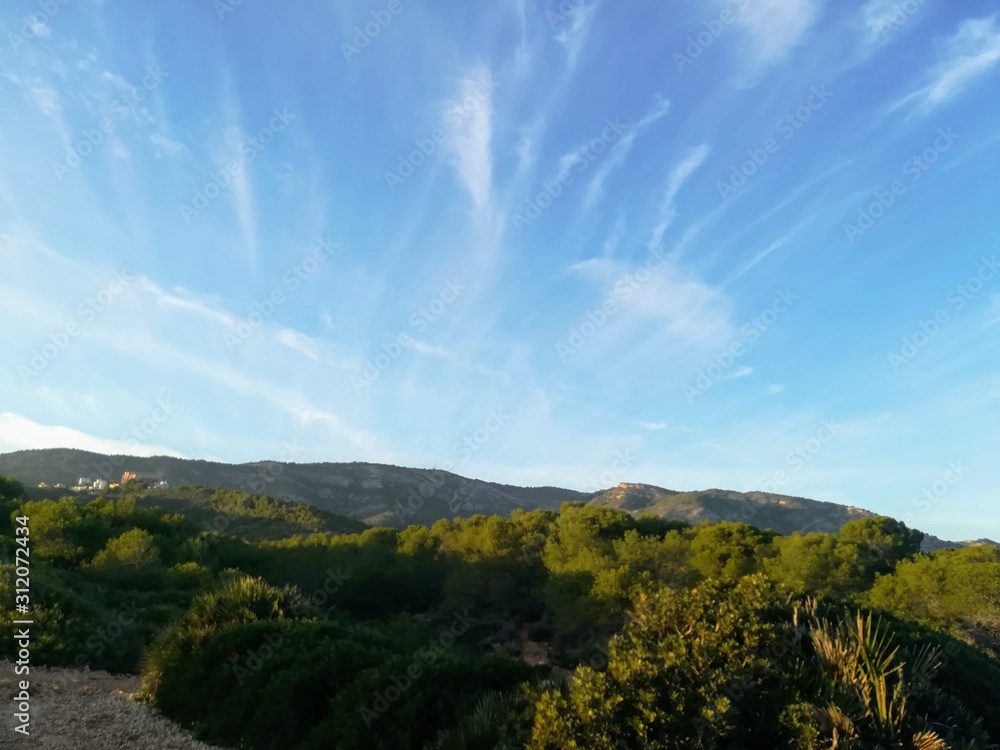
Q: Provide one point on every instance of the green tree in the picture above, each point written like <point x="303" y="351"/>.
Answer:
<point x="136" y="547"/>
<point x="582" y="538"/>
<point x="667" y="559"/>
<point x="670" y="675"/>
<point x="10" y="488"/>
<point x="955" y="590"/>
<point x="817" y="564"/>
<point x="55" y="530"/>
<point x="727" y="550"/>
<point x="884" y="542"/>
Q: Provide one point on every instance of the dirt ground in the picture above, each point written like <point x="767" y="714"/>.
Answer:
<point x="83" y="710"/>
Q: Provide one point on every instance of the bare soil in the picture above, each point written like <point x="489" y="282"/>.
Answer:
<point x="77" y="709"/>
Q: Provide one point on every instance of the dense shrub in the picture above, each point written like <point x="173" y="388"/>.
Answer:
<point x="240" y="669"/>
<point x="263" y="683"/>
<point x="714" y="668"/>
<point x="239" y="601"/>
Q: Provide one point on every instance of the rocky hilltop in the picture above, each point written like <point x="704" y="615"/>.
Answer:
<point x="782" y="513"/>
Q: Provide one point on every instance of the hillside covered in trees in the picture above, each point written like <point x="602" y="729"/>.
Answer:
<point x="397" y="497"/>
<point x="582" y="627"/>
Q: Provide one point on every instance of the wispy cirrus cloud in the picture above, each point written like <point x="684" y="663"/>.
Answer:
<point x="574" y="36"/>
<point x="773" y="29"/>
<point x="620" y="151"/>
<point x="971" y="52"/>
<point x="167" y="146"/>
<point x="680" y="174"/>
<point x="472" y="142"/>
<point x="244" y="200"/>
<point x="879" y="18"/>
<point x="436" y="350"/>
<point x="528" y="144"/>
<point x="777" y="244"/>
<point x="47" y="100"/>
<point x="680" y="307"/>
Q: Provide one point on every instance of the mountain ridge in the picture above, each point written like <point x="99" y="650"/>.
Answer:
<point x="387" y="495"/>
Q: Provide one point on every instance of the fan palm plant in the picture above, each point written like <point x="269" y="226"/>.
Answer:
<point x="483" y="729"/>
<point x="866" y="684"/>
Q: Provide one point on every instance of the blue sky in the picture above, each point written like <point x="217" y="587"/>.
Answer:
<point x="746" y="244"/>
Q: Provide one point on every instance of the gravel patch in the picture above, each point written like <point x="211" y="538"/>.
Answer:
<point x="77" y="709"/>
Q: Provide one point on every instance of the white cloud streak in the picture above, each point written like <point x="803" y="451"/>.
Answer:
<point x="680" y="174"/>
<point x="970" y="53"/>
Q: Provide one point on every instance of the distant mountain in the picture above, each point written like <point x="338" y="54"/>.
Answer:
<point x="781" y="513"/>
<point x="382" y="495"/>
<point x="375" y="494"/>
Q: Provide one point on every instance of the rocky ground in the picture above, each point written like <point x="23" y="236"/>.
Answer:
<point x="83" y="710"/>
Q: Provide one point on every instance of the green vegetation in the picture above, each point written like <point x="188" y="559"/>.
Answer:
<point x="954" y="590"/>
<point x="582" y="628"/>
<point x="253" y="517"/>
